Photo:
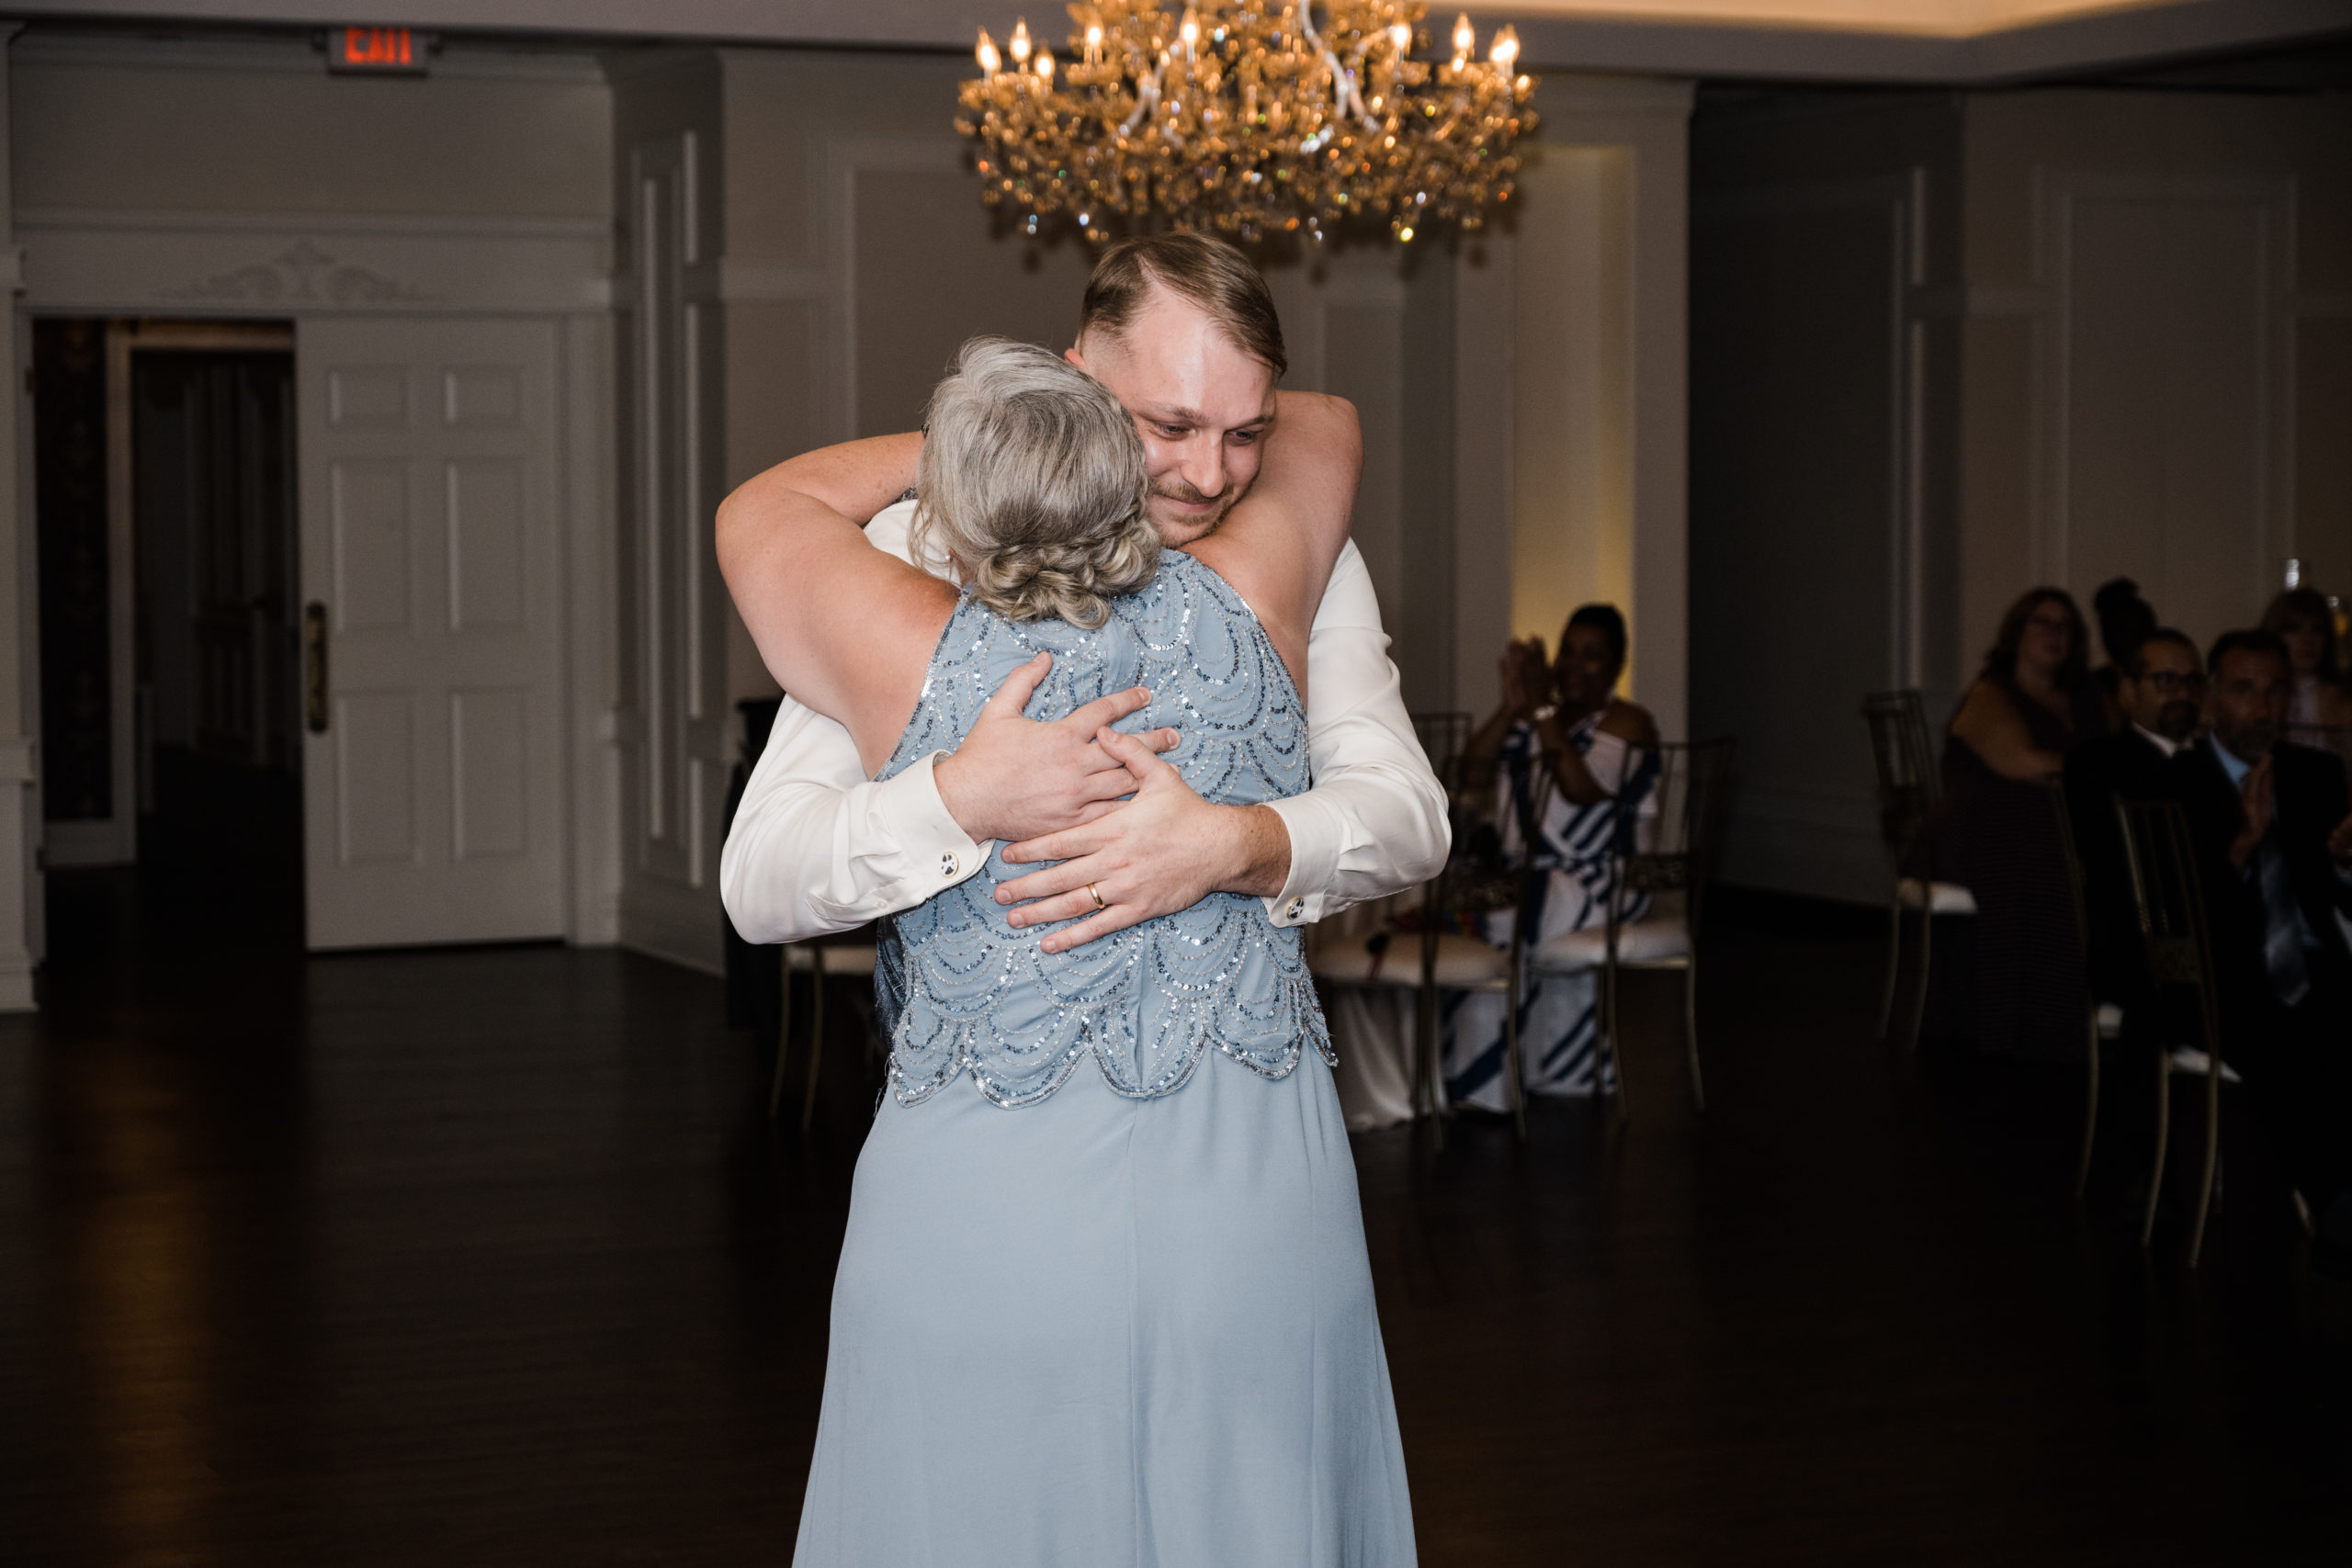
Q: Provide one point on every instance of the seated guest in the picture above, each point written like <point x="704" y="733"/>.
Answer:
<point x="1996" y="834"/>
<point x="2274" y="848"/>
<point x="2162" y="688"/>
<point x="2125" y="621"/>
<point x="1567" y="712"/>
<point x="2319" y="705"/>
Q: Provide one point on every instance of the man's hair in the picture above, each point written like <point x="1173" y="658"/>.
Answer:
<point x="1608" y="621"/>
<point x="2250" y="640"/>
<point x="1033" y="480"/>
<point x="2125" y="619"/>
<point x="1196" y="267"/>
<point x="2136" y="663"/>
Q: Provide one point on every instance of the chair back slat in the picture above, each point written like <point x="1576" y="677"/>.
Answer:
<point x="1909" y="781"/>
<point x="1670" y="803"/>
<point x="2169" y="902"/>
<point x="1442" y="735"/>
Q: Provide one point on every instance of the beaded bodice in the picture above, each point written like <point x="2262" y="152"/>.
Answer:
<point x="961" y="991"/>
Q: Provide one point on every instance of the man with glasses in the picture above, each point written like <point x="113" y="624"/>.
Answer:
<point x="2160" y="690"/>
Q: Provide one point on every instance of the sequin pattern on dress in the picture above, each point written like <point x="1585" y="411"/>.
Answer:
<point x="960" y="991"/>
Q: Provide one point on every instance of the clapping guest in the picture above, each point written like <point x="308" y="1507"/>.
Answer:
<point x="2319" y="705"/>
<point x="2274" y="845"/>
<point x="2161" y="691"/>
<point x="1995" y="832"/>
<point x="1566" y="715"/>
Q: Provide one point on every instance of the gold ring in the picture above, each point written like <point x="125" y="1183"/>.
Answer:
<point x="1096" y="894"/>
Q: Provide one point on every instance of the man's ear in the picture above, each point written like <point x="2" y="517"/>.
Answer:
<point x="1075" y="357"/>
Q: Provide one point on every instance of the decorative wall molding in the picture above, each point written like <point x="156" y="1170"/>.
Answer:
<point x="298" y="263"/>
<point x="846" y="158"/>
<point x="306" y="275"/>
<point x="2061" y="193"/>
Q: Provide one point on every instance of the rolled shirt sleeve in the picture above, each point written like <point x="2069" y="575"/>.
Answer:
<point x="1374" y="823"/>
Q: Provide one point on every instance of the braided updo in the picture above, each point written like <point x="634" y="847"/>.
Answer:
<point x="1032" y="481"/>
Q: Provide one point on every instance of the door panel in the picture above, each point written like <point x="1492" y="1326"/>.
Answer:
<point x="433" y="802"/>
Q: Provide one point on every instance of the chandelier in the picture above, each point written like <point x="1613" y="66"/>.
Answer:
<point x="1247" y="117"/>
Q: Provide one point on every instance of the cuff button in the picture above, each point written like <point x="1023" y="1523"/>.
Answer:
<point x="947" y="865"/>
<point x="1297" y="908"/>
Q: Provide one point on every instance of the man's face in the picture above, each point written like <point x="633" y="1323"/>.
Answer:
<point x="2249" y="701"/>
<point x="1202" y="406"/>
<point x="2164" y="696"/>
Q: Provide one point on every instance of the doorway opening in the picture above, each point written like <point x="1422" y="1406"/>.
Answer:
<point x="170" y="628"/>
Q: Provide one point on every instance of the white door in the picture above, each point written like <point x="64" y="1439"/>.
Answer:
<point x="432" y="800"/>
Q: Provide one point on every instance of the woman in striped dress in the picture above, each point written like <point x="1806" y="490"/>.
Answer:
<point x="1567" y="712"/>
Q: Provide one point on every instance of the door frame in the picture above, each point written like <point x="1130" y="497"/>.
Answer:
<point x="114" y="841"/>
<point x="225" y="267"/>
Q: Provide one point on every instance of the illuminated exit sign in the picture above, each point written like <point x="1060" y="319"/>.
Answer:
<point x="378" y="51"/>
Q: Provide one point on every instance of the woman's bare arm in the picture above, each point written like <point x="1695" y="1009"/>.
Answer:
<point x="846" y="628"/>
<point x="1278" y="545"/>
<point x="1989" y="724"/>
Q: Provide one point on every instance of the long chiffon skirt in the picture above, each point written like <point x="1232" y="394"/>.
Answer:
<point x="1099" y="1331"/>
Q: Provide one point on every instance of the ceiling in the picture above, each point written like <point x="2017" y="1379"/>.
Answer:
<point x="1861" y="40"/>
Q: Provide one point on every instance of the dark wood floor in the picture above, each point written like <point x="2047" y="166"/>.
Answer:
<point x="490" y="1257"/>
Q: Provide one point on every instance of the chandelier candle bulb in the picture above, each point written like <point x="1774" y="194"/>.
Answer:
<point x="991" y="61"/>
<point x="1018" y="48"/>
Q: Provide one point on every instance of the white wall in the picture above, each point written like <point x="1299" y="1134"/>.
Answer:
<point x="2160" y="350"/>
<point x="232" y="178"/>
<point x="20" y="885"/>
<point x="1825" y="250"/>
<point x="1569" y="384"/>
<point x="1950" y="346"/>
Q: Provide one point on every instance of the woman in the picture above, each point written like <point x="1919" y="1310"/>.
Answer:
<point x="1568" y="715"/>
<point x="1996" y="832"/>
<point x="2319" y="709"/>
<point x="1102" y="1299"/>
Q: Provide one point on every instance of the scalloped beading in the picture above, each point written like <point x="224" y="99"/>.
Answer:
<point x="960" y="992"/>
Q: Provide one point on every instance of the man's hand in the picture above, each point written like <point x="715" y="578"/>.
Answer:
<point x="1015" y="778"/>
<point x="1164" y="850"/>
<point x="2339" y="843"/>
<point x="2255" y="799"/>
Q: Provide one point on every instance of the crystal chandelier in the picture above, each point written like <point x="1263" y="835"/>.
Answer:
<point x="1247" y="117"/>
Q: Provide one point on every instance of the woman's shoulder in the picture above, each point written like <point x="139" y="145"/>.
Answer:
<point x="1629" y="722"/>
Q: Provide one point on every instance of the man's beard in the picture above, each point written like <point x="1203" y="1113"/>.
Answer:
<point x="2176" y="721"/>
<point x="1177" y="490"/>
<point x="2251" y="743"/>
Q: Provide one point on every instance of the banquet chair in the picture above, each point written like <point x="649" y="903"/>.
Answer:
<point x="2103" y="1021"/>
<point x="2171" y="908"/>
<point x="1480" y="877"/>
<point x="850" y="955"/>
<point x="1666" y="848"/>
<point x="1908" y="788"/>
<point x="1442" y="735"/>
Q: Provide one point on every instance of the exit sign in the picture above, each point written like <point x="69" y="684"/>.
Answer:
<point x="378" y="51"/>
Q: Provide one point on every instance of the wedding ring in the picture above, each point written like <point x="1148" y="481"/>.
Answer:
<point x="1096" y="894"/>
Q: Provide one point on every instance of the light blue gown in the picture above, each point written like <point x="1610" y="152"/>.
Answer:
<point x="1103" y="1298"/>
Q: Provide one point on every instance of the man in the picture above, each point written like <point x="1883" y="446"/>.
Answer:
<point x="1183" y="331"/>
<point x="2274" y="849"/>
<point x="2161" y="684"/>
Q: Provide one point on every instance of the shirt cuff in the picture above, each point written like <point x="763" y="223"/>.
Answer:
<point x="913" y="817"/>
<point x="1314" y="842"/>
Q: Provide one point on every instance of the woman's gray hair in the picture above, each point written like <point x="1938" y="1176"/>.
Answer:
<point x="1031" y="480"/>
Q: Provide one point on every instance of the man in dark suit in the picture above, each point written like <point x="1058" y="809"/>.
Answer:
<point x="2160" y="686"/>
<point x="2274" y="848"/>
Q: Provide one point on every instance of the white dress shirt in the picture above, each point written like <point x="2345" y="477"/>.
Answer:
<point x="816" y="847"/>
